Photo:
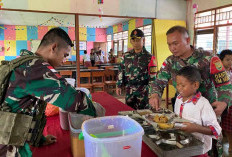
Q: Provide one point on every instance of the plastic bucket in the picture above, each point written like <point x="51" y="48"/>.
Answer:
<point x="113" y="136"/>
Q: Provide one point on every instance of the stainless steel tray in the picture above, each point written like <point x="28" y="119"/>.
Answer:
<point x="151" y="138"/>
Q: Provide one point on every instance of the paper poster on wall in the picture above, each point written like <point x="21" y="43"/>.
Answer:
<point x="82" y="45"/>
<point x="35" y="45"/>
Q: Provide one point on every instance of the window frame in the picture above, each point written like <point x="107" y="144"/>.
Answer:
<point x="215" y="23"/>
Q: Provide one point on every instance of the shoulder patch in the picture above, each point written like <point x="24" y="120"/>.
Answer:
<point x="152" y="66"/>
<point x="218" y="73"/>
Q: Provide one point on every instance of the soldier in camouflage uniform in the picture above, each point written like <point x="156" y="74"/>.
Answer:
<point x="136" y="71"/>
<point x="36" y="81"/>
<point x="215" y="83"/>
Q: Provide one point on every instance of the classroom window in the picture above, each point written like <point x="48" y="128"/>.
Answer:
<point x="147" y="30"/>
<point x="125" y="40"/>
<point x="224" y="38"/>
<point x="204" y="39"/>
<point x="120" y="41"/>
<point x="109" y="37"/>
<point x="213" y="29"/>
<point x="115" y="48"/>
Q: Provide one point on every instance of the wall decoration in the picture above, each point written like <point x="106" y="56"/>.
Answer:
<point x="82" y="45"/>
<point x="100" y="1"/>
<point x="1" y="4"/>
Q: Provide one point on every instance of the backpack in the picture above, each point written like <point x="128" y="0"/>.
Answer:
<point x="14" y="127"/>
<point x="6" y="69"/>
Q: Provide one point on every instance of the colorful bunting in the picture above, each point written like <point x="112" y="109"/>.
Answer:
<point x="100" y="1"/>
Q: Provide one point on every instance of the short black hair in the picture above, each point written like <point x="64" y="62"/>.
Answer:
<point x="190" y="73"/>
<point x="224" y="53"/>
<point x="179" y="29"/>
<point x="85" y="52"/>
<point x="56" y="35"/>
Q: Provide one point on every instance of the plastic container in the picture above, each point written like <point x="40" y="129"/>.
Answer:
<point x="63" y="119"/>
<point x="77" y="146"/>
<point x="113" y="136"/>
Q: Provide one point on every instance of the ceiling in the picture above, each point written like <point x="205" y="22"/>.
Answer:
<point x="47" y="19"/>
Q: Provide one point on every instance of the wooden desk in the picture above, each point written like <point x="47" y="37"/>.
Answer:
<point x="88" y="70"/>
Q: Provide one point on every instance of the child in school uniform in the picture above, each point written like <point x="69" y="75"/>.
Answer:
<point x="226" y="58"/>
<point x="191" y="105"/>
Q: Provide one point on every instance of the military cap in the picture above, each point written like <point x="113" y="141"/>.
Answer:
<point x="137" y="33"/>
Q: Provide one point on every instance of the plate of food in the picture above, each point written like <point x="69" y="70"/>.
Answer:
<point x="162" y="122"/>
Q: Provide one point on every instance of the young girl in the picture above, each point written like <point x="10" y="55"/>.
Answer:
<point x="226" y="57"/>
<point x="192" y="106"/>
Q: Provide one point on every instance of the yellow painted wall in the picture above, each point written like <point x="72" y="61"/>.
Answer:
<point x="131" y="27"/>
<point x="21" y="32"/>
<point x="10" y="46"/>
<point x="82" y="33"/>
<point x="161" y="27"/>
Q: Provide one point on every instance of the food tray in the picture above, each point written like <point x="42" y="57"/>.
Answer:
<point x="159" y="140"/>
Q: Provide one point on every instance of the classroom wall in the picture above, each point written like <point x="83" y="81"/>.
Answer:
<point x="15" y="38"/>
<point x="127" y="26"/>
<point x="201" y="5"/>
<point x="134" y="8"/>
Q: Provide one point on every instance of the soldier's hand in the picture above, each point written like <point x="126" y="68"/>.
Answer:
<point x="155" y="101"/>
<point x="118" y="91"/>
<point x="219" y="107"/>
<point x="50" y="139"/>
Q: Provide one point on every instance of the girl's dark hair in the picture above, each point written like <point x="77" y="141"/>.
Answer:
<point x="224" y="53"/>
<point x="191" y="73"/>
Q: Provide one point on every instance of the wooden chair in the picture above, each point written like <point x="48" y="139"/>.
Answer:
<point x="109" y="67"/>
<point x="66" y="73"/>
<point x="85" y="80"/>
<point x="92" y="67"/>
<point x="110" y="80"/>
<point x="98" y="80"/>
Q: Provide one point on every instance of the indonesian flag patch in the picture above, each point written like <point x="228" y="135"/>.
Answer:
<point x="164" y="64"/>
<point x="54" y="71"/>
<point x="218" y="73"/>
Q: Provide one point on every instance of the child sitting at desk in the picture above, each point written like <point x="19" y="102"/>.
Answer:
<point x="192" y="106"/>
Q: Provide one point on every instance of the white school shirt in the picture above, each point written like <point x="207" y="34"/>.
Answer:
<point x="200" y="113"/>
<point x="86" y="58"/>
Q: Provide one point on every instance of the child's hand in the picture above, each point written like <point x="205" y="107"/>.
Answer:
<point x="189" y="127"/>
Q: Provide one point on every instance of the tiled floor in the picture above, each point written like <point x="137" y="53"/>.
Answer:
<point x="225" y="143"/>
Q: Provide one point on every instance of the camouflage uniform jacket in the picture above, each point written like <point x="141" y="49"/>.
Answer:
<point x="202" y="61"/>
<point x="133" y="69"/>
<point x="36" y="80"/>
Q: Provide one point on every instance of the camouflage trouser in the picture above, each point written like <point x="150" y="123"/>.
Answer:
<point x="137" y="97"/>
<point x="217" y="148"/>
